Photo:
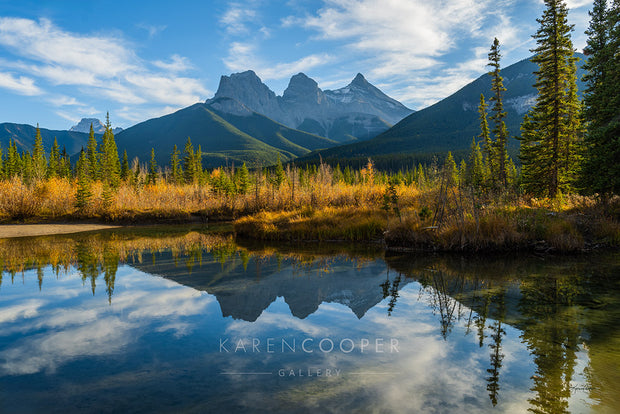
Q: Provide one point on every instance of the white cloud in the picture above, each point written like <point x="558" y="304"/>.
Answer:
<point x="236" y="18"/>
<point x="99" y="66"/>
<point x="177" y="64"/>
<point x="243" y="56"/>
<point x="21" y="85"/>
<point x="63" y="100"/>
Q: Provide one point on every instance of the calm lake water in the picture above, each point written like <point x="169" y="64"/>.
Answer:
<point x="189" y="320"/>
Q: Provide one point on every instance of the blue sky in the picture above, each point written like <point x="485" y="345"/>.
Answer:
<point x="64" y="60"/>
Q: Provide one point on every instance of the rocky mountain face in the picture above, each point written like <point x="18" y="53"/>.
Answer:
<point x="356" y="112"/>
<point x="98" y="127"/>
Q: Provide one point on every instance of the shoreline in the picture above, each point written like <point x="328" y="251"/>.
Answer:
<point x="11" y="231"/>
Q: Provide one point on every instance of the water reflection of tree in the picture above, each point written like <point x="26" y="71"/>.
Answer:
<point x="496" y="345"/>
<point x="551" y="332"/>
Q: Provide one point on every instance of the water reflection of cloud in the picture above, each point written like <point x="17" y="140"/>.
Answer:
<point x="424" y="376"/>
<point x="55" y="331"/>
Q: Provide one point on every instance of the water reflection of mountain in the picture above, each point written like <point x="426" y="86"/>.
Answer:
<point x="246" y="286"/>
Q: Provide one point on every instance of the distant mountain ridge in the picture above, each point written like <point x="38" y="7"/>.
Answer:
<point x="24" y="136"/>
<point x="356" y="112"/>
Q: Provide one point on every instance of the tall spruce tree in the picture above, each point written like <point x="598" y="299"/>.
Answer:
<point x="498" y="114"/>
<point x="39" y="163"/>
<point x="83" y="194"/>
<point x="12" y="167"/>
<point x="475" y="167"/>
<point x="189" y="162"/>
<point x="65" y="164"/>
<point x="1" y="163"/>
<point x="600" y="172"/>
<point x="125" y="167"/>
<point x="151" y="177"/>
<point x="53" y="166"/>
<point x="487" y="144"/>
<point x="92" y="156"/>
<point x="242" y="179"/>
<point x="175" y="166"/>
<point x="549" y="131"/>
<point x="110" y="164"/>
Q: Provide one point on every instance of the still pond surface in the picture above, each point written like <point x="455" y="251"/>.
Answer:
<point x="189" y="320"/>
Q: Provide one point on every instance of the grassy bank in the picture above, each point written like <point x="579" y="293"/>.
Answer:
<point x="427" y="213"/>
<point x="519" y="227"/>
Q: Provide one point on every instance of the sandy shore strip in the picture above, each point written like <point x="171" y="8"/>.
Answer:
<point x="28" y="230"/>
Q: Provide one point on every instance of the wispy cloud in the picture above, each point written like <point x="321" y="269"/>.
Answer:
<point x="177" y="64"/>
<point x="243" y="56"/>
<point x="19" y="84"/>
<point x="152" y="30"/>
<point x="237" y="17"/>
<point x="99" y="66"/>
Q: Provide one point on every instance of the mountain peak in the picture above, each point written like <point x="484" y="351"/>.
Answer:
<point x="302" y="88"/>
<point x="85" y="123"/>
<point x="98" y="127"/>
<point x="359" y="80"/>
<point x="301" y="79"/>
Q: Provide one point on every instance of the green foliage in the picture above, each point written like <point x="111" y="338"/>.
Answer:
<point x="601" y="171"/>
<point x="39" y="163"/>
<point x="125" y="167"/>
<point x="53" y="167"/>
<point x="242" y="179"/>
<point x="84" y="193"/>
<point x="279" y="176"/>
<point x="474" y="174"/>
<point x="151" y="178"/>
<point x="189" y="163"/>
<point x="92" y="156"/>
<point x="175" y="166"/>
<point x="500" y="152"/>
<point x="110" y="165"/>
<point x="451" y="172"/>
<point x="550" y="130"/>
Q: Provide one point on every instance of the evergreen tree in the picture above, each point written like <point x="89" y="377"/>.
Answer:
<point x="53" y="167"/>
<point x="550" y="129"/>
<point x="151" y="178"/>
<point x="279" y="176"/>
<point x="1" y="163"/>
<point x="243" y="179"/>
<point x="65" y="164"/>
<point x="485" y="137"/>
<point x="451" y="172"/>
<point x="189" y="163"/>
<point x="600" y="172"/>
<point x="475" y="167"/>
<point x="26" y="167"/>
<point x="175" y="166"/>
<point x="39" y="163"/>
<point x="92" y="156"/>
<point x="498" y="116"/>
<point x="12" y="167"/>
<point x="110" y="164"/>
<point x="84" y="193"/>
<point x="124" y="167"/>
